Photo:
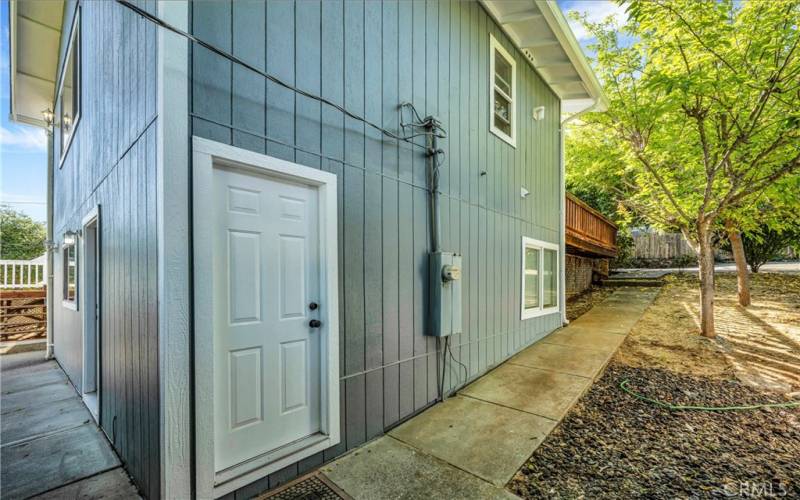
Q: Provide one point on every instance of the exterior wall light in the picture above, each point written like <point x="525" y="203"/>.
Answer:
<point x="48" y="116"/>
<point x="538" y="113"/>
<point x="70" y="237"/>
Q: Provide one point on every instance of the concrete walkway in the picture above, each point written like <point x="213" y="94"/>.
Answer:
<point x="473" y="443"/>
<point x="50" y="446"/>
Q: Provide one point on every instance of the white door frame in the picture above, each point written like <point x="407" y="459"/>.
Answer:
<point x="89" y="290"/>
<point x="207" y="154"/>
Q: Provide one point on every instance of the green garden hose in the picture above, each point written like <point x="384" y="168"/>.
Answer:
<point x="624" y="386"/>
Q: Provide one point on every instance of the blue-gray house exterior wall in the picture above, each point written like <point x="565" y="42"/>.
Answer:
<point x="111" y="163"/>
<point x="369" y="57"/>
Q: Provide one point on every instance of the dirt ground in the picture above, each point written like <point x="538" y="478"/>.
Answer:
<point x="612" y="445"/>
<point x="581" y="304"/>
<point x="758" y="345"/>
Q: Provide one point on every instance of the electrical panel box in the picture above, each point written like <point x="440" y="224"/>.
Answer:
<point x="445" y="294"/>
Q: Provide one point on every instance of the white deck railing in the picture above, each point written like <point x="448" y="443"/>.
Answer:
<point x="23" y="273"/>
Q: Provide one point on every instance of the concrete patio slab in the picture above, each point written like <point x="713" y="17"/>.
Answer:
<point x="541" y="392"/>
<point x="21" y="380"/>
<point x="31" y="360"/>
<point x="33" y="421"/>
<point x="588" y="338"/>
<point x="561" y="358"/>
<point x="35" y="396"/>
<point x="387" y="468"/>
<point x="111" y="485"/>
<point x="50" y="443"/>
<point x="39" y="465"/>
<point x="487" y="440"/>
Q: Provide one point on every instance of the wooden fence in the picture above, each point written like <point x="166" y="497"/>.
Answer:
<point x="658" y="245"/>
<point x="23" y="314"/>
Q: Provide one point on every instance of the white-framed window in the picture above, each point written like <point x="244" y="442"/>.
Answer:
<point x="69" y="91"/>
<point x="539" y="278"/>
<point x="69" y="256"/>
<point x="503" y="88"/>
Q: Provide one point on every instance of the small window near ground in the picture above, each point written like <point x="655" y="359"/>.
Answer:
<point x="69" y="92"/>
<point x="539" y="278"/>
<point x="70" y="255"/>
<point x="503" y="73"/>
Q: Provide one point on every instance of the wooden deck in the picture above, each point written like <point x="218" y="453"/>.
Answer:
<point x="23" y="314"/>
<point x="588" y="232"/>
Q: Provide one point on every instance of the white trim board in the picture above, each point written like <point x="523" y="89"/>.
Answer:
<point x="172" y="219"/>
<point x="90" y="316"/>
<point x="206" y="156"/>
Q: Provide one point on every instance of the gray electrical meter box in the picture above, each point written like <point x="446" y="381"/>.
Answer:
<point x="445" y="294"/>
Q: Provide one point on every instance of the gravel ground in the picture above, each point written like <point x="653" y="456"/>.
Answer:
<point x="612" y="445"/>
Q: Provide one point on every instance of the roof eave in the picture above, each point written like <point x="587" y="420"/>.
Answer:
<point x="535" y="27"/>
<point x="34" y="92"/>
<point x="558" y="23"/>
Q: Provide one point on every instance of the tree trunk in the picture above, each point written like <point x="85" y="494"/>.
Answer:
<point x="742" y="276"/>
<point x="706" y="281"/>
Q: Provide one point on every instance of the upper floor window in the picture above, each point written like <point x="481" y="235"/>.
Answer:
<point x="69" y="93"/>
<point x="69" y="254"/>
<point x="503" y="85"/>
<point x="539" y="278"/>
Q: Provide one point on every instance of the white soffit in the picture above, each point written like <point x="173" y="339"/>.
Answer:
<point x="35" y="37"/>
<point x="540" y="31"/>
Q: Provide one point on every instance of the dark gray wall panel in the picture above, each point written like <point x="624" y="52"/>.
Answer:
<point x="369" y="57"/>
<point x="112" y="163"/>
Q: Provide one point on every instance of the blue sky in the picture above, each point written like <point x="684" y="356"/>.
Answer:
<point x="23" y="149"/>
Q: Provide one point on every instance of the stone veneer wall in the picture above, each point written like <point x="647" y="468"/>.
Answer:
<point x="580" y="271"/>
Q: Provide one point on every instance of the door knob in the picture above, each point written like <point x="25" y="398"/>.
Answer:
<point x="315" y="323"/>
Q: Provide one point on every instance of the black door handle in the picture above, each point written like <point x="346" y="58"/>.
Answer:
<point x="315" y="323"/>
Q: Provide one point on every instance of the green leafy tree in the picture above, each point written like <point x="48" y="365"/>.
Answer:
<point x="21" y="238"/>
<point x="761" y="247"/>
<point x="704" y="115"/>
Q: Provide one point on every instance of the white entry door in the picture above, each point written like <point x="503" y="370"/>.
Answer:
<point x="266" y="261"/>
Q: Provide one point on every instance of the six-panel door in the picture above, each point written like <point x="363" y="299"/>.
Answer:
<point x="266" y="275"/>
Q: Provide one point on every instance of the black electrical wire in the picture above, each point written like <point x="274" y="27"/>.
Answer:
<point x="160" y="22"/>
<point x="433" y="130"/>
<point x="440" y="380"/>
<point x="453" y="358"/>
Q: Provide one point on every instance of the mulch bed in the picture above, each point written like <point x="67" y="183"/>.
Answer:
<point x="612" y="445"/>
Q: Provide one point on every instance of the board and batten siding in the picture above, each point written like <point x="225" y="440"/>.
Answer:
<point x="369" y="57"/>
<point x="112" y="163"/>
